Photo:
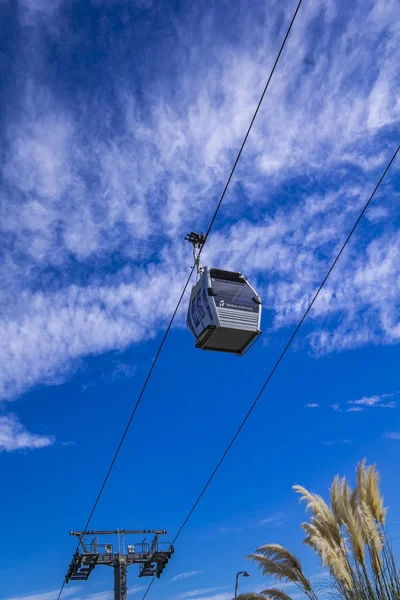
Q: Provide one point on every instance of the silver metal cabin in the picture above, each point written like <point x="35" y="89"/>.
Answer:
<point x="224" y="312"/>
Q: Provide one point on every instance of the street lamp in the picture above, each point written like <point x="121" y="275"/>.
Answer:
<point x="245" y="574"/>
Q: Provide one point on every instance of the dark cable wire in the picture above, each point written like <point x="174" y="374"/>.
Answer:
<point x="253" y="119"/>
<point x="61" y="590"/>
<point x="133" y="413"/>
<point x="190" y="276"/>
<point x="277" y="363"/>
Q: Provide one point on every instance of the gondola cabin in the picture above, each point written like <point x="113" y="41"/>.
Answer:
<point x="224" y="312"/>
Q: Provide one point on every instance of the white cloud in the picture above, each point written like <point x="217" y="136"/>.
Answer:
<point x="75" y="592"/>
<point x="123" y="371"/>
<point x="44" y="595"/>
<point x="276" y="520"/>
<point x="366" y="402"/>
<point x="105" y="595"/>
<point x="377" y="213"/>
<point x="14" y="436"/>
<point x="322" y="576"/>
<point x="377" y="401"/>
<point x="312" y="405"/>
<point x="84" y="199"/>
<point x="392" y="435"/>
<point x="34" y="9"/>
<point x="100" y="596"/>
<point x="335" y="442"/>
<point x="48" y="332"/>
<point x="222" y="596"/>
<point x="186" y="575"/>
<point x="200" y="592"/>
<point x="368" y="293"/>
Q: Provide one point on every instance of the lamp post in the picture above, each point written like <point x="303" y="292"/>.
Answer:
<point x="245" y="574"/>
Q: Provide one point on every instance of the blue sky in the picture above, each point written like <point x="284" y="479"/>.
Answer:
<point x="120" y="122"/>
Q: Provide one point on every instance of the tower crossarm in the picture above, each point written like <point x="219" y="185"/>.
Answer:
<point x="151" y="556"/>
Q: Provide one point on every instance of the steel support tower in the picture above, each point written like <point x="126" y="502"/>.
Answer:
<point x="120" y="588"/>
<point x="152" y="557"/>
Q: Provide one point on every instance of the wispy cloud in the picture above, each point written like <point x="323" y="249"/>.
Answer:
<point x="123" y="371"/>
<point x="335" y="442"/>
<point x="135" y="589"/>
<point x="221" y="596"/>
<point x="99" y="596"/>
<point x="318" y="580"/>
<point x="392" y="435"/>
<point x="14" y="436"/>
<point x="92" y="214"/>
<point x="107" y="595"/>
<point x="43" y="595"/>
<point x="274" y="520"/>
<point x="287" y="586"/>
<point x="377" y="401"/>
<point x="277" y="519"/>
<point x="186" y="575"/>
<point x="366" y="402"/>
<point x="312" y="405"/>
<point x="199" y="592"/>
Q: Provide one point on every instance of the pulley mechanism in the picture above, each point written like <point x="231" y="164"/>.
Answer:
<point x="197" y="240"/>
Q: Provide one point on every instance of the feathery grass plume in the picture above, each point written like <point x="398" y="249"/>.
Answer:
<point x="360" y="476"/>
<point x="331" y="555"/>
<point x="368" y="491"/>
<point x="354" y="531"/>
<point x="269" y="567"/>
<point x="275" y="594"/>
<point x="341" y="493"/>
<point x="335" y="498"/>
<point x="373" y="496"/>
<point x="349" y="537"/>
<point x="277" y="552"/>
<point x="275" y="560"/>
<point x="321" y="511"/>
<point x="369" y="528"/>
<point x="325" y="531"/>
<point x="371" y="535"/>
<point x="348" y="495"/>
<point x="353" y="497"/>
<point x="324" y="534"/>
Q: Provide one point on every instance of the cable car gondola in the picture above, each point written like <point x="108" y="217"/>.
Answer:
<point x="224" y="312"/>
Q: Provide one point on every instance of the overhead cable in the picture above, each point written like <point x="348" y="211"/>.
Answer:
<point x="187" y="281"/>
<point x="277" y="363"/>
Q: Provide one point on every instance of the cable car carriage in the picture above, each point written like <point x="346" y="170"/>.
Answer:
<point x="224" y="312"/>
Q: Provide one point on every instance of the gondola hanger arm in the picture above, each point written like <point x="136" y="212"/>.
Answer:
<point x="197" y="240"/>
